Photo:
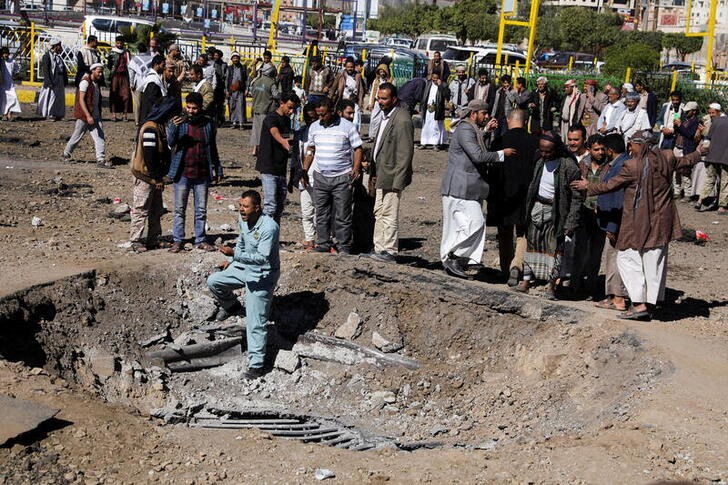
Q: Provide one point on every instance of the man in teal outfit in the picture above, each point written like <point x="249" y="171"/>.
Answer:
<point x="256" y="267"/>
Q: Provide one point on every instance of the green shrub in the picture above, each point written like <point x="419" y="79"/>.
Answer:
<point x="638" y="56"/>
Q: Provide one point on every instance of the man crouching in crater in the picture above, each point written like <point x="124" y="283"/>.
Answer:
<point x="256" y="267"/>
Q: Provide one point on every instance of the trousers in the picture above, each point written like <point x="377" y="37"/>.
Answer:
<point x="274" y="195"/>
<point x="258" y="297"/>
<point x="97" y="134"/>
<point x="613" y="280"/>
<point x="332" y="197"/>
<point x="511" y="253"/>
<point x="181" y="194"/>
<point x="386" y="221"/>
<point x="308" y="214"/>
<point x="146" y="209"/>
<point x="715" y="172"/>
<point x="644" y="273"/>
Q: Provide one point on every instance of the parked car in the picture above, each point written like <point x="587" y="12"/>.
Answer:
<point x="398" y="42"/>
<point x="581" y="61"/>
<point x="427" y="44"/>
<point x="106" y="27"/>
<point x="483" y="56"/>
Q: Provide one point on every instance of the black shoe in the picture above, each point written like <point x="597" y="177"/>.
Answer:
<point x="514" y="276"/>
<point x="254" y="373"/>
<point x="223" y="314"/>
<point x="322" y="248"/>
<point x="383" y="256"/>
<point x="453" y="268"/>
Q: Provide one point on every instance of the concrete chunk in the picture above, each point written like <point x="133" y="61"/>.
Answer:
<point x="351" y="329"/>
<point x="287" y="361"/>
<point x="18" y="417"/>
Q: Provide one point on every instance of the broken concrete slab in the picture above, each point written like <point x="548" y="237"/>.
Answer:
<point x="351" y="329"/>
<point x="202" y="308"/>
<point x="103" y="364"/>
<point x="287" y="361"/>
<point x="19" y="416"/>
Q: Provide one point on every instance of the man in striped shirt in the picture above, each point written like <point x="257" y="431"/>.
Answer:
<point x="336" y="148"/>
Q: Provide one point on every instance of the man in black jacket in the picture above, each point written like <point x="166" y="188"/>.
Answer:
<point x="508" y="189"/>
<point x="154" y="87"/>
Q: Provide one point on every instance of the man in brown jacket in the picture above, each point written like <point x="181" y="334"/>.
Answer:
<point x="649" y="220"/>
<point x="350" y="85"/>
<point x="393" y="150"/>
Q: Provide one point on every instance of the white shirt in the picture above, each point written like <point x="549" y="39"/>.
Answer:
<point x="350" y="87"/>
<point x="382" y="126"/>
<point x="334" y="146"/>
<point x="546" y="187"/>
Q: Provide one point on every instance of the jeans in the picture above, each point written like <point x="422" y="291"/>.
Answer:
<point x="274" y="195"/>
<point x="181" y="194"/>
<point x="332" y="199"/>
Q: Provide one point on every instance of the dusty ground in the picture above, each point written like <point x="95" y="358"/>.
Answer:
<point x="601" y="401"/>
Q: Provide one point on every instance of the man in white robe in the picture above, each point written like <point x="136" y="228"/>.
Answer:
<point x="432" y="107"/>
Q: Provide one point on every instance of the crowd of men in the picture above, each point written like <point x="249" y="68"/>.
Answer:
<point x="569" y="179"/>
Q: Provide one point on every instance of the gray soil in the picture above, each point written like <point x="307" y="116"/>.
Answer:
<point x="508" y="388"/>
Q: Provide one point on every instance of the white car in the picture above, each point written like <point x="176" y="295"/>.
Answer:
<point x="107" y="28"/>
<point x="428" y="44"/>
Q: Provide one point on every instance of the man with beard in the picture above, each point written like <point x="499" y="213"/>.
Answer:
<point x="649" y="220"/>
<point x="237" y="85"/>
<point x="503" y="103"/>
<point x="120" y="92"/>
<point x="138" y="68"/>
<point x="542" y="108"/>
<point x="589" y="237"/>
<point x="594" y="102"/>
<point x="439" y="65"/>
<point x="459" y="88"/>
<point x="219" y="87"/>
<point x="319" y="80"/>
<point x="87" y="56"/>
<point x="464" y="188"/>
<point x="154" y="88"/>
<point x="375" y="118"/>
<point x="52" y="97"/>
<point x="609" y="218"/>
<point x="393" y="152"/>
<point x="350" y="85"/>
<point x="552" y="208"/>
<point x="572" y="107"/>
<point x="482" y="89"/>
<point x="612" y="113"/>
<point x="202" y="86"/>
<point x="285" y="75"/>
<point x="432" y="105"/>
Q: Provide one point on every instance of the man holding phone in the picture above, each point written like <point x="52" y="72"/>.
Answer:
<point x="195" y="164"/>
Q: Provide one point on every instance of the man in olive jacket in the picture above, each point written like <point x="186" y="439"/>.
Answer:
<point x="393" y="151"/>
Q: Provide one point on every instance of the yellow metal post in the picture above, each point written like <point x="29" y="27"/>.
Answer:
<point x="305" y="65"/>
<point x="709" y="33"/>
<point x="628" y="75"/>
<point x="273" y="25"/>
<point x="32" y="52"/>
<point x="363" y="55"/>
<point x="204" y="43"/>
<point x="501" y="33"/>
<point x="571" y="63"/>
<point x="532" y="20"/>
<point x="673" y="84"/>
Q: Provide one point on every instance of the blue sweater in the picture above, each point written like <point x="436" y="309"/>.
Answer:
<point x="609" y="205"/>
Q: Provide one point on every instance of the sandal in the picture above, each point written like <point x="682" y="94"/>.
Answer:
<point x="643" y="316"/>
<point x="160" y="245"/>
<point x="207" y="247"/>
<point x="176" y="248"/>
<point x="138" y="247"/>
<point x="609" y="305"/>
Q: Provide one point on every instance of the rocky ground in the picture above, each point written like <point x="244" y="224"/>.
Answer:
<point x="508" y="389"/>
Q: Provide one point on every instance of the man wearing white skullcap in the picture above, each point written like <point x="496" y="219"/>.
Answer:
<point x="716" y="161"/>
<point x="88" y="116"/>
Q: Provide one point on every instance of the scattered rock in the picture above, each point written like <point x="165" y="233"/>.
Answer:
<point x="202" y="308"/>
<point x="380" y="398"/>
<point x="351" y="329"/>
<point x="383" y="344"/>
<point x="438" y="429"/>
<point x="103" y="364"/>
<point x="287" y="361"/>
<point x="323" y="474"/>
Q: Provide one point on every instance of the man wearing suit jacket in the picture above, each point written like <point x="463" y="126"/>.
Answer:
<point x="464" y="188"/>
<point x="393" y="151"/>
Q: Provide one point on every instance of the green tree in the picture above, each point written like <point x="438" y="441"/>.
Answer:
<point x="586" y="30"/>
<point x="653" y="39"/>
<point x="412" y="20"/>
<point x="682" y="44"/>
<point x="474" y="20"/>
<point x="639" y="57"/>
